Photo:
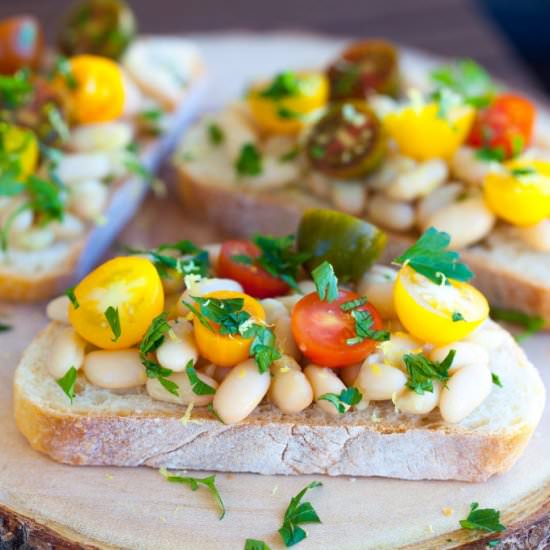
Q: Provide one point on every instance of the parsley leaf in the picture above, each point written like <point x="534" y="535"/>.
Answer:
<point x="154" y="370"/>
<point x="290" y="155"/>
<point x="72" y="297"/>
<point x="67" y="383"/>
<point x="285" y="84"/>
<point x="530" y="323"/>
<point x="5" y="328"/>
<point x="429" y="257"/>
<point x="46" y="200"/>
<point x="62" y="68"/>
<point x="353" y="304"/>
<point x="483" y="519"/>
<point x="325" y="281"/>
<point x="521" y="171"/>
<point x="296" y="514"/>
<point x="422" y="371"/>
<point x="457" y="316"/>
<point x="111" y="314"/>
<point x="518" y="144"/>
<point x="215" y="134"/>
<point x="490" y="154"/>
<point x="194" y="482"/>
<point x="253" y="544"/>
<point x="197" y="385"/>
<point x="154" y="336"/>
<point x="15" y="90"/>
<point x="347" y="398"/>
<point x="263" y="347"/>
<point x="249" y="162"/>
<point x="364" y="323"/>
<point x="496" y="380"/>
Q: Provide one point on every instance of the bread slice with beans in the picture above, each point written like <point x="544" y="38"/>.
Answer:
<point x="107" y="427"/>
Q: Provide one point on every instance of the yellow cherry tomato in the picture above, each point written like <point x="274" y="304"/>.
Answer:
<point x="283" y="105"/>
<point x="99" y="92"/>
<point x="422" y="133"/>
<point x="130" y="284"/>
<point x="226" y="350"/>
<point x="521" y="194"/>
<point x="23" y="145"/>
<point x="426" y="309"/>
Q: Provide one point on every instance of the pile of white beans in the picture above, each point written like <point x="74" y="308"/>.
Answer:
<point x="401" y="196"/>
<point x="289" y="386"/>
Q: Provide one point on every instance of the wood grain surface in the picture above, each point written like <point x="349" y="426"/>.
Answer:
<point x="45" y="505"/>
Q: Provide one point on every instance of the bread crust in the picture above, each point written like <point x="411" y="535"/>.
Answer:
<point x="241" y="214"/>
<point x="268" y="441"/>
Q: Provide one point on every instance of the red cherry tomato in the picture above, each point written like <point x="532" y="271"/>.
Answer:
<point x="255" y="280"/>
<point x="21" y="43"/>
<point x="321" y="330"/>
<point x="507" y="124"/>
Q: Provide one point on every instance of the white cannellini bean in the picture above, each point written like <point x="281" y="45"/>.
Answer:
<point x="22" y="221"/>
<point x="467" y="388"/>
<point x="67" y="350"/>
<point x="440" y="198"/>
<point x="274" y="174"/>
<point x="378" y="285"/>
<point x="394" y="215"/>
<point x="88" y="199"/>
<point x="68" y="228"/>
<point x="75" y="167"/>
<point x="36" y="238"/>
<point x="58" y="309"/>
<point x="205" y="286"/>
<point x="467" y="221"/>
<point x="290" y="390"/>
<point x="105" y="136"/>
<point x="115" y="369"/>
<point x="536" y="237"/>
<point x="221" y="373"/>
<point x="408" y="401"/>
<point x="378" y="382"/>
<point x="466" y="167"/>
<point x="185" y="393"/>
<point x="466" y="353"/>
<point x="178" y="347"/>
<point x="389" y="171"/>
<point x="237" y="132"/>
<point x="324" y="380"/>
<point x="488" y="335"/>
<point x="349" y="196"/>
<point x="307" y="286"/>
<point x="241" y="392"/>
<point x="393" y="350"/>
<point x="290" y="301"/>
<point x="424" y="178"/>
<point x="278" y="317"/>
<point x="349" y="374"/>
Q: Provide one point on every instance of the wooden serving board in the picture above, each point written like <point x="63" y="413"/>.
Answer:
<point x="47" y="505"/>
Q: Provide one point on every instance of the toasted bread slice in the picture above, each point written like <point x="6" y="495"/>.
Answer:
<point x="131" y="429"/>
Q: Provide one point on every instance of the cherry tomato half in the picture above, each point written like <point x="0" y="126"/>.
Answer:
<point x="255" y="280"/>
<point x="21" y="43"/>
<point x="100" y="27"/>
<point x="347" y="142"/>
<point x="322" y="329"/>
<point x="364" y="67"/>
<point x="506" y="124"/>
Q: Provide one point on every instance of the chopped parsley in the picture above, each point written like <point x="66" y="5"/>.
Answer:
<point x="136" y="167"/>
<point x="194" y="482"/>
<point x="231" y="319"/>
<point x="325" y="281"/>
<point x="62" y="68"/>
<point x="253" y="544"/>
<point x="422" y="372"/>
<point x="298" y="513"/>
<point x="72" y="297"/>
<point x="518" y="144"/>
<point x="285" y="84"/>
<point x="467" y="79"/>
<point x="150" y="120"/>
<point x="446" y="101"/>
<point x="490" y="154"/>
<point x="364" y="330"/>
<point x="429" y="257"/>
<point x="113" y="318"/>
<point x="347" y="398"/>
<point x="67" y="383"/>
<point x="317" y="151"/>
<point x="197" y="385"/>
<point x="249" y="162"/>
<point x="290" y="155"/>
<point x="288" y="114"/>
<point x="457" y="316"/>
<point x="522" y="171"/>
<point x="530" y="323"/>
<point x="496" y="380"/>
<point x="15" y="90"/>
<point x="215" y="134"/>
<point x="483" y="519"/>
<point x="5" y="327"/>
<point x="353" y="304"/>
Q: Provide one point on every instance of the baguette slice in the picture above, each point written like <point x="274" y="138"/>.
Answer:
<point x="105" y="428"/>
<point x="510" y="275"/>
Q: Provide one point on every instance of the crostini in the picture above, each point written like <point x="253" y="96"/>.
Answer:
<point x="82" y="130"/>
<point x="289" y="355"/>
<point x="405" y="147"/>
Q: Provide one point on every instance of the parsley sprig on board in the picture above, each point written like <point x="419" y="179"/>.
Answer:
<point x="422" y="371"/>
<point x="230" y="318"/>
<point x="429" y="257"/>
<point x="483" y="519"/>
<point x="298" y="513"/>
<point x="278" y="257"/>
